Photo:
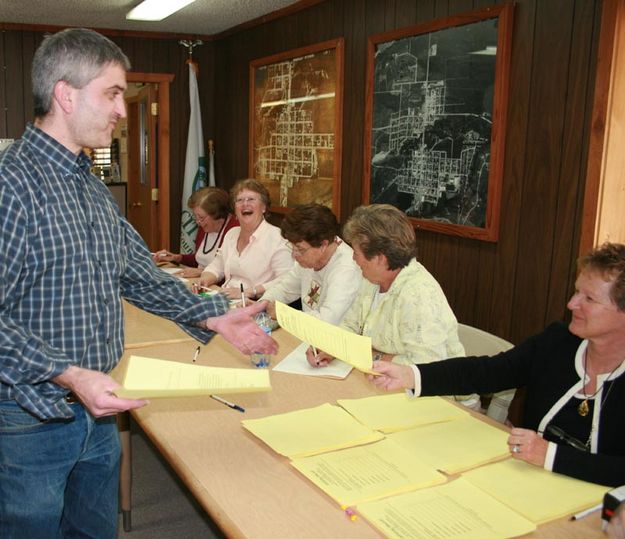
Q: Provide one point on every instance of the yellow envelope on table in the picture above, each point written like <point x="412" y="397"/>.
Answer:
<point x="147" y="377"/>
<point x="455" y="446"/>
<point x="338" y="342"/>
<point x="366" y="473"/>
<point x="310" y="431"/>
<point x="456" y="509"/>
<point x="535" y="493"/>
<point x="397" y="411"/>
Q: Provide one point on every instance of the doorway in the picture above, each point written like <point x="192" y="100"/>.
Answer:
<point x="148" y="157"/>
<point x="142" y="157"/>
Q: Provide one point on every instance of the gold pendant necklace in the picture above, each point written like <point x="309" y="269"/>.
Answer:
<point x="583" y="408"/>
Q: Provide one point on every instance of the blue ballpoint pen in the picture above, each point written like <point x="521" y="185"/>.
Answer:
<point x="227" y="403"/>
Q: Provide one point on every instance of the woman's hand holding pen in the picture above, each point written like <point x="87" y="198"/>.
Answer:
<point x="317" y="358"/>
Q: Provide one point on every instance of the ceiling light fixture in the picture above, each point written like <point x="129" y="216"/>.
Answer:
<point x="156" y="10"/>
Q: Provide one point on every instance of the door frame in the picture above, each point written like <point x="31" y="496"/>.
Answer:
<point x="162" y="80"/>
<point x="602" y="214"/>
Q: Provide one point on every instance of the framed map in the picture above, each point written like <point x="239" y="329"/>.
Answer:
<point x="436" y="121"/>
<point x="295" y="125"/>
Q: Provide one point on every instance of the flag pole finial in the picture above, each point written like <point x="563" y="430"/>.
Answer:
<point x="190" y="45"/>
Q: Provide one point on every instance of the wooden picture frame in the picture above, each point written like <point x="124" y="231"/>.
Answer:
<point x="435" y="121"/>
<point x="295" y="125"/>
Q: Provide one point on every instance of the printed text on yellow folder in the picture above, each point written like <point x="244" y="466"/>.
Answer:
<point x="147" y="377"/>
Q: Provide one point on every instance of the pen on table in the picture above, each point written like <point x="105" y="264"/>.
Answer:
<point x="197" y="353"/>
<point x="242" y="296"/>
<point x="586" y="512"/>
<point x="227" y="403"/>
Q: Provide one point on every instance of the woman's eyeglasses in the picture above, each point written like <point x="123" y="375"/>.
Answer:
<point x="298" y="251"/>
<point x="245" y="200"/>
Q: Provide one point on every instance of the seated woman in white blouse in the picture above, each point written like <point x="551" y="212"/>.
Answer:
<point x="325" y="276"/>
<point x="253" y="254"/>
<point x="211" y="210"/>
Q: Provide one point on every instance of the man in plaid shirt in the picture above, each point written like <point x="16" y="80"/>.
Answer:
<point x="67" y="258"/>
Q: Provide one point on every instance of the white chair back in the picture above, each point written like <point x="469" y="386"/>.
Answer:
<point x="477" y="342"/>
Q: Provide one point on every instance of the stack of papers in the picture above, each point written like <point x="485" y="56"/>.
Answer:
<point x="394" y="481"/>
<point x="147" y="378"/>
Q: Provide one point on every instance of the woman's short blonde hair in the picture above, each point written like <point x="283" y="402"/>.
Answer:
<point x="382" y="229"/>
<point x="251" y="185"/>
<point x="608" y="260"/>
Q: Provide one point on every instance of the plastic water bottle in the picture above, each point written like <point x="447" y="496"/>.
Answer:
<point x="260" y="359"/>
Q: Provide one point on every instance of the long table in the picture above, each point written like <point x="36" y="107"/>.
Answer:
<point x="245" y="487"/>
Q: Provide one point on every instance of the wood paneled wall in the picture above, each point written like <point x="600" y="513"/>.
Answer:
<point x="516" y="286"/>
<point x="513" y="287"/>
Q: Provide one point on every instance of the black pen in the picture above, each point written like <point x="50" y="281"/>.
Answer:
<point x="227" y="403"/>
<point x="197" y="353"/>
<point x="566" y="438"/>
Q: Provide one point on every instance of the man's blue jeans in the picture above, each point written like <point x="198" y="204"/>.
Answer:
<point x="57" y="478"/>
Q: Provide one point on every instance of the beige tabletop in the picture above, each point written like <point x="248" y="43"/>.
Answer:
<point x="144" y="329"/>
<point x="246" y="488"/>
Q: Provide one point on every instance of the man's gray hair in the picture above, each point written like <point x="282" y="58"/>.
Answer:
<point x="76" y="56"/>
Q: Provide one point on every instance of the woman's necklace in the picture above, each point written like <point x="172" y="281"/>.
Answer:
<point x="583" y="408"/>
<point x="216" y="238"/>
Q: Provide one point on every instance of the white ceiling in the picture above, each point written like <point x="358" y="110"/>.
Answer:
<point x="205" y="17"/>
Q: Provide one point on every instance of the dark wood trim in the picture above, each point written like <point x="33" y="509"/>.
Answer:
<point x="104" y="31"/>
<point x="598" y="123"/>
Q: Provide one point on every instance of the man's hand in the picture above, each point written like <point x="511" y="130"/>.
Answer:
<point x="238" y="327"/>
<point x="95" y="391"/>
<point x="393" y="376"/>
